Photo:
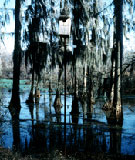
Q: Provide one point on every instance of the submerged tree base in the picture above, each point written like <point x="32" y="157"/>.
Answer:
<point x="87" y="97"/>
<point x="31" y="98"/>
<point x="107" y="106"/>
<point x="110" y="106"/>
<point x="14" y="103"/>
<point x="114" y="114"/>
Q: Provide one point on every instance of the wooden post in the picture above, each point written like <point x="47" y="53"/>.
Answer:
<point x="65" y="80"/>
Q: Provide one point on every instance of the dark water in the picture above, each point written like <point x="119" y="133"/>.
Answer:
<point x="40" y="130"/>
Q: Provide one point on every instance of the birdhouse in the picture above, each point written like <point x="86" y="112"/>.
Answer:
<point x="64" y="26"/>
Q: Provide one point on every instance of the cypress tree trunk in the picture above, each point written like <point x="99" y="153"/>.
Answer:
<point x="17" y="54"/>
<point x="75" y="13"/>
<point x="112" y="74"/>
<point x="112" y="82"/>
<point x="84" y="79"/>
<point x="119" y="52"/>
<point x="31" y="95"/>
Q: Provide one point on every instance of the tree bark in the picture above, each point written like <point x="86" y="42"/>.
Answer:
<point x="119" y="52"/>
<point x="17" y="54"/>
<point x="84" y="78"/>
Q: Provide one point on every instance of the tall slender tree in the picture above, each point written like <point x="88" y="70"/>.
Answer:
<point x="118" y="11"/>
<point x="117" y="54"/>
<point x="17" y="54"/>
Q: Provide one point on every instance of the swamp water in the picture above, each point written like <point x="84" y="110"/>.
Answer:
<point x="39" y="129"/>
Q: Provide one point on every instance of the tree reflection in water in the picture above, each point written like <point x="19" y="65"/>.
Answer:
<point x="115" y="121"/>
<point x="57" y="106"/>
<point x="31" y="110"/>
<point x="75" y="109"/>
<point x="89" y="137"/>
<point x="14" y="110"/>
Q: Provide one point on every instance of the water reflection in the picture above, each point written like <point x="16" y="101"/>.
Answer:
<point x="31" y="110"/>
<point x="37" y="112"/>
<point x="15" y="112"/>
<point x="87" y="110"/>
<point x="75" y="109"/>
<point x="85" y="134"/>
<point x="115" y="121"/>
<point x="58" y="105"/>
